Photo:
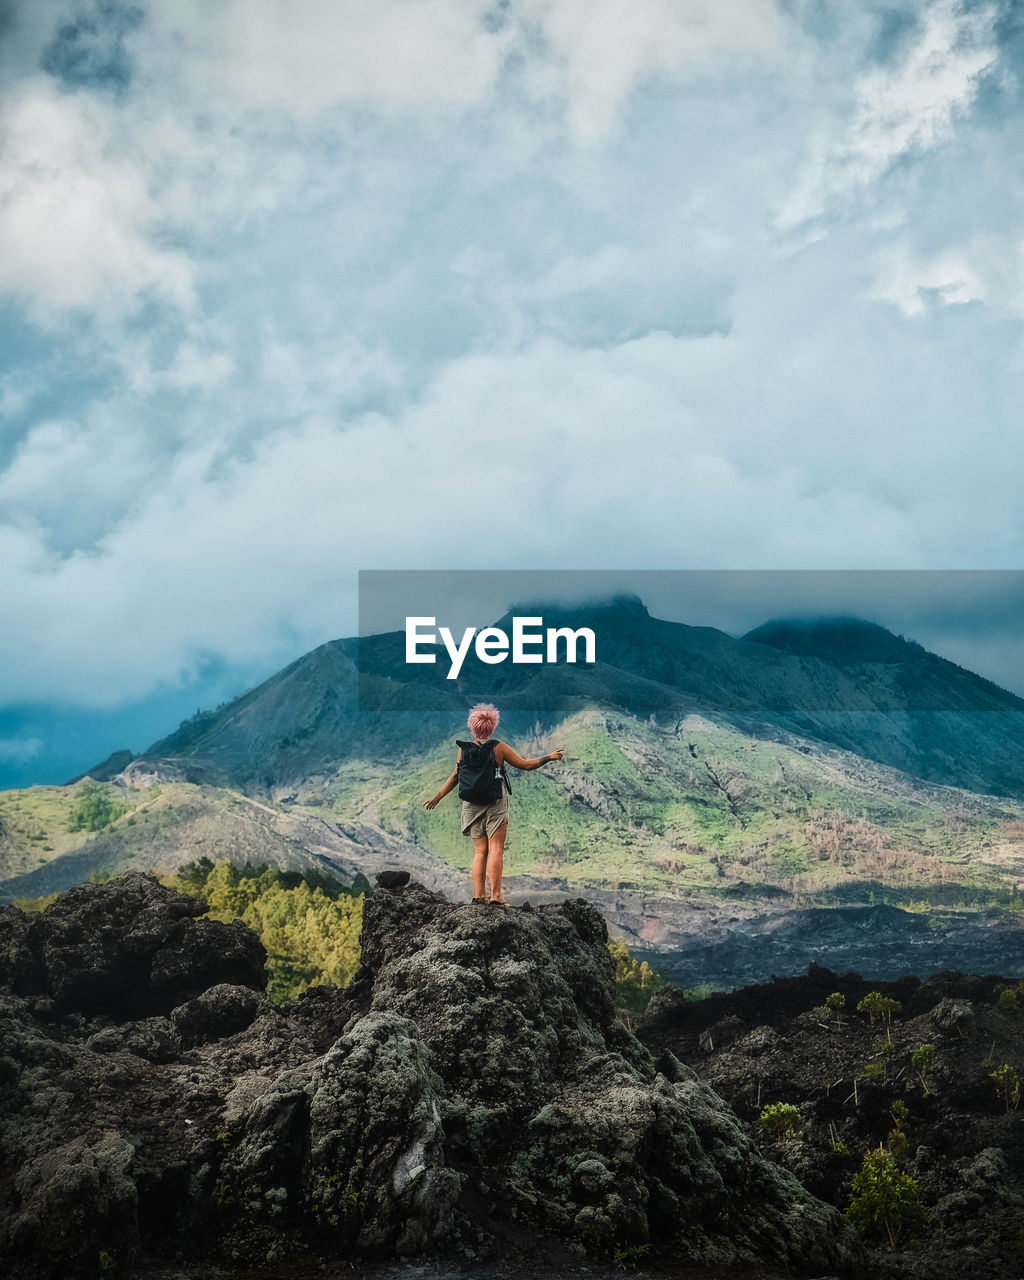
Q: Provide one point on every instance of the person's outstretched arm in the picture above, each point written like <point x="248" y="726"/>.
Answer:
<point x="508" y="756"/>
<point x="453" y="777"/>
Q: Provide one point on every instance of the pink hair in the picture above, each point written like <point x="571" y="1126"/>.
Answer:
<point x="483" y="720"/>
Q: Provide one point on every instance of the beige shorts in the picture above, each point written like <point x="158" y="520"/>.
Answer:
<point x="479" y="820"/>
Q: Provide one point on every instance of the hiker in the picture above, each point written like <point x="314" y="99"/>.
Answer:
<point x="484" y="790"/>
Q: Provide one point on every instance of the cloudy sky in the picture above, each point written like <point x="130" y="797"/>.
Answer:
<point x="291" y="288"/>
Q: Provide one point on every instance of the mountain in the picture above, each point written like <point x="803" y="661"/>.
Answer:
<point x="843" y="641"/>
<point x="841" y="681"/>
<point x="709" y="781"/>
<point x="106" y="769"/>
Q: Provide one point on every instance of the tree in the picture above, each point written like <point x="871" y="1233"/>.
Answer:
<point x="877" y="1006"/>
<point x="883" y="1198"/>
<point x="921" y="1060"/>
<point x="635" y="981"/>
<point x="1007" y="1081"/>
<point x="192" y="877"/>
<point x="310" y="931"/>
<point x="835" y="1004"/>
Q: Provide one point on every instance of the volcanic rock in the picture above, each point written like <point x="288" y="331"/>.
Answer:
<point x="474" y="1085"/>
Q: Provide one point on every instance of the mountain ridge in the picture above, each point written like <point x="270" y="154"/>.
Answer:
<point x="344" y="695"/>
<point x="836" y="638"/>
<point x="679" y="784"/>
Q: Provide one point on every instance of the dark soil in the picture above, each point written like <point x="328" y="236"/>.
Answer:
<point x="962" y="1141"/>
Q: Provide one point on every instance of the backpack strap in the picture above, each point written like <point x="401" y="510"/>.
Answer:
<point x="504" y="772"/>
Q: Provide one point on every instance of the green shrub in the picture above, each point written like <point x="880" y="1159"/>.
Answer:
<point x="95" y="809"/>
<point x="835" y="1003"/>
<point x="780" y="1121"/>
<point x="883" y="1198"/>
<point x="921" y="1060"/>
<point x="34" y="904"/>
<point x="896" y="1141"/>
<point x="922" y="1057"/>
<point x="635" y="980"/>
<point x="1007" y="1082"/>
<point x="889" y="1007"/>
<point x="879" y="1007"/>
<point x="628" y="1256"/>
<point x="871" y="1005"/>
<point x="1008" y="1000"/>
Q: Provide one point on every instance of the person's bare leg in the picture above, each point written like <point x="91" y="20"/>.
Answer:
<point x="479" y="863"/>
<point x="496" y="858"/>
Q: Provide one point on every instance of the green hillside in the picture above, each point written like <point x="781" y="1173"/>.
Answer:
<point x="705" y="808"/>
<point x="688" y="808"/>
<point x="173" y="823"/>
<point x="817" y="762"/>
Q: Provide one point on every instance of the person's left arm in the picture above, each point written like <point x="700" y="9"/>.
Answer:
<point x="504" y="754"/>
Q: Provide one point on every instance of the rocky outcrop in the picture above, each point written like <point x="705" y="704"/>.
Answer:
<point x="473" y="1088"/>
<point x="134" y="949"/>
<point x="106" y="769"/>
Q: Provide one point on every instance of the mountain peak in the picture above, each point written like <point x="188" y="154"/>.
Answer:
<point x="842" y="640"/>
<point x="620" y="603"/>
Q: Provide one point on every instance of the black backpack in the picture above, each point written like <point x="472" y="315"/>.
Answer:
<point x="480" y="779"/>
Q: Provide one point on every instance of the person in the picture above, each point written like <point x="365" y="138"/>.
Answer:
<point x="487" y="824"/>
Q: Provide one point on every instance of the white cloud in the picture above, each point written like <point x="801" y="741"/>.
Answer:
<point x="79" y="228"/>
<point x="913" y="284"/>
<point x="275" y="57"/>
<point x="351" y="275"/>
<point x="604" y="48"/>
<point x="583" y="57"/>
<point x="69" y="482"/>
<point x="897" y="110"/>
<point x="19" y="750"/>
<point x="16" y="393"/>
<point x="565" y="456"/>
<point x="238" y="114"/>
<point x="914" y="105"/>
<point x="988" y="269"/>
